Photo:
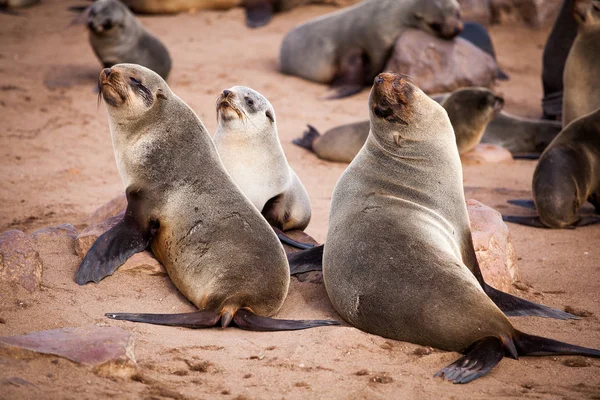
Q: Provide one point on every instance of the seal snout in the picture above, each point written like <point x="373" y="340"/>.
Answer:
<point x="226" y="106"/>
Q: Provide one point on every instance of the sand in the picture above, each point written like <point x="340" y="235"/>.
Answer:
<point x="57" y="166"/>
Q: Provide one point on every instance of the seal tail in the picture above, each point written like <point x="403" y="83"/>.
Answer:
<point x="308" y="138"/>
<point x="306" y="261"/>
<point x="514" y="306"/>
<point x="243" y="319"/>
<point x="530" y="345"/>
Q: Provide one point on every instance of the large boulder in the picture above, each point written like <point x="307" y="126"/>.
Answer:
<point x="20" y="262"/>
<point x="438" y="65"/>
<point x="493" y="246"/>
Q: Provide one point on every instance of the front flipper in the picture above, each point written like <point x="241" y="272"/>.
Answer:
<point x="513" y="306"/>
<point x="258" y="12"/>
<point x="521" y="220"/>
<point x="307" y="139"/>
<point x="132" y="235"/>
<point x="285" y="239"/>
<point x="198" y="319"/>
<point x="480" y="358"/>
<point x="350" y="78"/>
<point x="306" y="261"/>
<point x="247" y="320"/>
<point x="523" y="203"/>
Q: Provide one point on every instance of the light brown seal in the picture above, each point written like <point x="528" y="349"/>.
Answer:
<point x="216" y="247"/>
<point x="395" y="261"/>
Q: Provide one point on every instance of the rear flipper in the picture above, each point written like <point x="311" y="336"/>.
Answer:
<point x="478" y="360"/>
<point x="523" y="203"/>
<point x="258" y="12"/>
<point x="285" y="239"/>
<point x="132" y="235"/>
<point x="306" y="261"/>
<point x="529" y="345"/>
<point x="513" y="306"/>
<point x="351" y="75"/>
<point x="537" y="223"/>
<point x="307" y="139"/>
<point x="243" y="319"/>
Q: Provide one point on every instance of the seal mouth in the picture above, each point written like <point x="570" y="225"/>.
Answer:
<point x="226" y="107"/>
<point x="391" y="95"/>
<point x="112" y="89"/>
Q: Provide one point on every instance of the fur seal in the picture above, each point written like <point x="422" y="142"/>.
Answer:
<point x="216" y="247"/>
<point x="470" y="110"/>
<point x="248" y="144"/>
<point x="118" y="37"/>
<point x="567" y="175"/>
<point x="396" y="260"/>
<point x="582" y="75"/>
<point x="349" y="47"/>
<point x="555" y="54"/>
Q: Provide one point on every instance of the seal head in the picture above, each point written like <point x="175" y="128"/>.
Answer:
<point x="440" y="18"/>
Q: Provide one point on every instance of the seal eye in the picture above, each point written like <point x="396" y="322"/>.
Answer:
<point x="383" y="113"/>
<point x="135" y="81"/>
<point x="249" y="101"/>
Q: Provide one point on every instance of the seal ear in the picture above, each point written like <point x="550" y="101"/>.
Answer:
<point x="270" y="115"/>
<point x="161" y="95"/>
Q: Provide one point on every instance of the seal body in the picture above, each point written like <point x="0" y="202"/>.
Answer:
<point x="470" y="111"/>
<point x="349" y="47"/>
<point x="582" y="75"/>
<point x="118" y="37"/>
<point x="248" y="144"/>
<point x="398" y="260"/>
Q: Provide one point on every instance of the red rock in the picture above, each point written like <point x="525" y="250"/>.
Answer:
<point x="114" y="207"/>
<point x="438" y="65"/>
<point x="487" y="153"/>
<point x="55" y="238"/>
<point x="19" y="260"/>
<point x="144" y="263"/>
<point x="493" y="246"/>
<point x="109" y="350"/>
<point x="88" y="236"/>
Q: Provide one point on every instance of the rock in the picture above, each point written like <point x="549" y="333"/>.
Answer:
<point x="88" y="236"/>
<point x="532" y="12"/>
<point x="493" y="246"/>
<point x="108" y="350"/>
<point x="438" y="65"/>
<point x="55" y="238"/>
<point x="145" y="263"/>
<point x="19" y="260"/>
<point x="475" y="10"/>
<point x="299" y="236"/>
<point x="110" y="209"/>
<point x="487" y="153"/>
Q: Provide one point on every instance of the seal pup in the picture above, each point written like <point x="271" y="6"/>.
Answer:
<point x="349" y="47"/>
<point x="470" y="110"/>
<point x="248" y="144"/>
<point x="394" y="262"/>
<point x="582" y="75"/>
<point x="456" y="218"/>
<point x="555" y="55"/>
<point x="216" y="247"/>
<point x="118" y="37"/>
<point x="567" y="175"/>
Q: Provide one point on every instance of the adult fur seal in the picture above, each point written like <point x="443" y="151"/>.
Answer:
<point x="395" y="261"/>
<point x="567" y="175"/>
<point x="118" y="37"/>
<point x="582" y="75"/>
<point x="216" y="247"/>
<point x="555" y="54"/>
<point x="247" y="141"/>
<point x="349" y="47"/>
<point x="470" y="110"/>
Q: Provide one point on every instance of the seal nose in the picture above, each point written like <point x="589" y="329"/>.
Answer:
<point x="379" y="79"/>
<point x="226" y="93"/>
<point x="107" y="72"/>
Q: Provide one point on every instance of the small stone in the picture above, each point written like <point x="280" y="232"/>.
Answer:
<point x="382" y="379"/>
<point x="578" y="362"/>
<point x="423" y="351"/>
<point x="362" y="372"/>
<point x="493" y="246"/>
<point x="19" y="260"/>
<point x="302" y="384"/>
<point x="247" y="376"/>
<point x="578" y="311"/>
<point x="437" y="65"/>
<point x="487" y="153"/>
<point x="108" y="350"/>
